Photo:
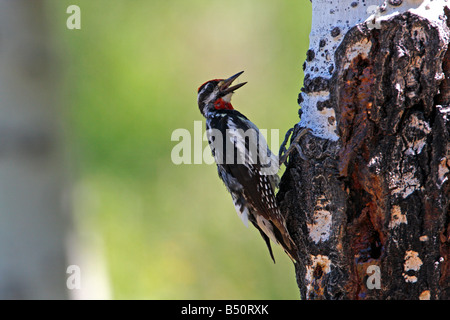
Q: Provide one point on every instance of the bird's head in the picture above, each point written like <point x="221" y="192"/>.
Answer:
<point x="216" y="94"/>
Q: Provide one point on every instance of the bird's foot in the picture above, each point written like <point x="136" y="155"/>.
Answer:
<point x="284" y="154"/>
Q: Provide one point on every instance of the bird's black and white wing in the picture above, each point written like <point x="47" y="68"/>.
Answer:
<point x="249" y="170"/>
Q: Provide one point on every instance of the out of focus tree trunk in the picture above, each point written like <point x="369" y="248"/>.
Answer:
<point x="369" y="204"/>
<point x="32" y="224"/>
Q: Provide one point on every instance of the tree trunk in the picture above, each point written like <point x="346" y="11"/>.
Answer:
<point x="32" y="221"/>
<point x="368" y="205"/>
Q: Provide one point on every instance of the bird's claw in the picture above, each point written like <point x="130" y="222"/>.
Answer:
<point x="283" y="154"/>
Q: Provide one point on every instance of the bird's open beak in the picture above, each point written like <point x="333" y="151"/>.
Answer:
<point x="225" y="85"/>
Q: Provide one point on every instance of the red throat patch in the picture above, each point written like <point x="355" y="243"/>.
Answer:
<point x="221" y="104"/>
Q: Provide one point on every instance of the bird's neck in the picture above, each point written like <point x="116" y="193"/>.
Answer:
<point x="216" y="108"/>
<point x="221" y="104"/>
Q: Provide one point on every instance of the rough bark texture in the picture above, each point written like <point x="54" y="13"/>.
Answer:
<point x="378" y="196"/>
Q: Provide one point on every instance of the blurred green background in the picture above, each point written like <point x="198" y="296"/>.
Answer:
<point x="130" y="78"/>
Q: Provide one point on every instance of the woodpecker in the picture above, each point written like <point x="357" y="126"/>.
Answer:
<point x="244" y="163"/>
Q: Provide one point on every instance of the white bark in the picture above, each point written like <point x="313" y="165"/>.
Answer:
<point x="330" y="22"/>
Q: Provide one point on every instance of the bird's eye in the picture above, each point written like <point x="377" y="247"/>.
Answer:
<point x="209" y="87"/>
<point x="206" y="88"/>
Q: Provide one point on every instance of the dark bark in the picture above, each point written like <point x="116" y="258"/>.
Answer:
<point x="379" y="196"/>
